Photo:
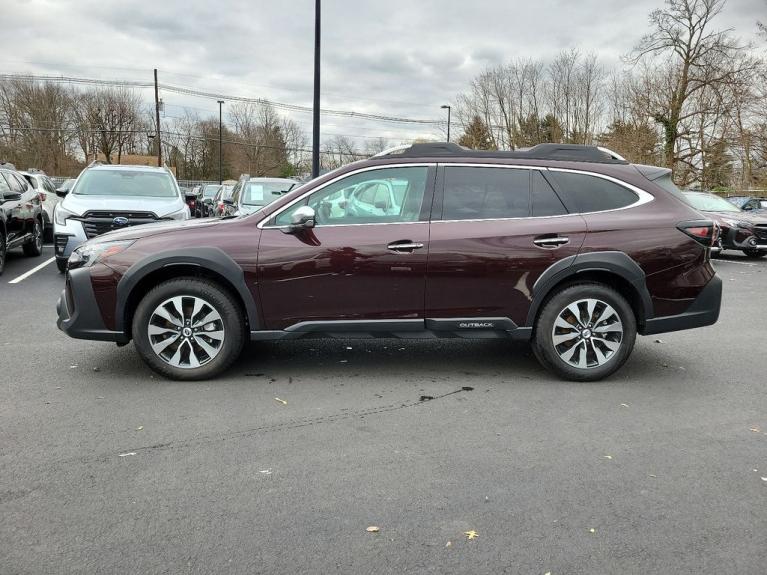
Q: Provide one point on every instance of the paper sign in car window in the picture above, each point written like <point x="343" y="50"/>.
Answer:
<point x="255" y="192"/>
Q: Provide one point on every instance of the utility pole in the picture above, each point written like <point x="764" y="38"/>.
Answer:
<point x="157" y="119"/>
<point x="220" y="142"/>
<point x="449" y="109"/>
<point x="316" y="109"/>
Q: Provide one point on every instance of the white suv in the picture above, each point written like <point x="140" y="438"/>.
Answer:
<point x="47" y="191"/>
<point x="109" y="197"/>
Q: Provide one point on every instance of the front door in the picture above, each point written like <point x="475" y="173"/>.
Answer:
<point x="495" y="230"/>
<point x="365" y="259"/>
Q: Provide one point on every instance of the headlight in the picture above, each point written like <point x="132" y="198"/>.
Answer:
<point x="88" y="254"/>
<point x="737" y="223"/>
<point x="182" y="214"/>
<point x="61" y="214"/>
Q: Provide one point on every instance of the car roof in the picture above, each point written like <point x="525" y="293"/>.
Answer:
<point x="126" y="167"/>
<point x="274" y="180"/>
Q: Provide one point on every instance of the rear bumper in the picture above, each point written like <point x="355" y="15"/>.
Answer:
<point x="702" y="312"/>
<point x="78" y="312"/>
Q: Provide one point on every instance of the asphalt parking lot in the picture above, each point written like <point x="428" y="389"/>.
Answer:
<point x="107" y="468"/>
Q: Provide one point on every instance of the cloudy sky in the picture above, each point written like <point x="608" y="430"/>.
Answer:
<point x="396" y="57"/>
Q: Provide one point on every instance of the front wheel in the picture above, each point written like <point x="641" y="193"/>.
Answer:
<point x="755" y="254"/>
<point x="585" y="332"/>
<point x="188" y="329"/>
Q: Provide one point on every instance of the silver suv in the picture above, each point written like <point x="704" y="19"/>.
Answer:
<point x="109" y="197"/>
<point x="47" y="191"/>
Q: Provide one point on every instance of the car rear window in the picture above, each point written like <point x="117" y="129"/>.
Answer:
<point x="545" y="201"/>
<point x="584" y="193"/>
<point x="486" y="193"/>
<point x="125" y="183"/>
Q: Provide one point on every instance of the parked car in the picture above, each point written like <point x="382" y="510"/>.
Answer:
<point x="190" y="197"/>
<point x="570" y="247"/>
<point x="205" y="199"/>
<point x="109" y="197"/>
<point x="252" y="194"/>
<point x="21" y="215"/>
<point x="48" y="198"/>
<point x="219" y="201"/>
<point x="749" y="203"/>
<point x="740" y="230"/>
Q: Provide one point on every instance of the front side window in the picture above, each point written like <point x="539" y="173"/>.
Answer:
<point x="125" y="183"/>
<point x="386" y="195"/>
<point x="584" y="193"/>
<point x="485" y="193"/>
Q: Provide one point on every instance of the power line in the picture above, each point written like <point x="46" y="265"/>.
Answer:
<point x="218" y="96"/>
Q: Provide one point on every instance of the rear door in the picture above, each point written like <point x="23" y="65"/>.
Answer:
<point x="352" y="266"/>
<point x="495" y="230"/>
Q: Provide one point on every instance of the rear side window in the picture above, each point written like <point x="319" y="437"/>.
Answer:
<point x="545" y="201"/>
<point x="584" y="193"/>
<point x="485" y="193"/>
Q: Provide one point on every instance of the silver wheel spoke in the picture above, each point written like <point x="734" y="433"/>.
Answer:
<point x="590" y="307"/>
<point x="610" y="327"/>
<point x="601" y="357"/>
<point x="595" y="339"/>
<point x="561" y="338"/>
<point x="607" y="313"/>
<point x="169" y="325"/>
<point x="568" y="355"/>
<point x="611" y="345"/>
<point x="573" y="307"/>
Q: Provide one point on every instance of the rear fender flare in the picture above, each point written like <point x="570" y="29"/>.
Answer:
<point x="613" y="262"/>
<point x="209" y="258"/>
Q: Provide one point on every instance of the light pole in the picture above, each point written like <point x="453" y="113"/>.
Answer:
<point x="446" y="107"/>
<point x="220" y="146"/>
<point x="316" y="108"/>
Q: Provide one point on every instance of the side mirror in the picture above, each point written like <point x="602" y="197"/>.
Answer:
<point x="228" y="202"/>
<point x="61" y="192"/>
<point x="11" y="196"/>
<point x="302" y="219"/>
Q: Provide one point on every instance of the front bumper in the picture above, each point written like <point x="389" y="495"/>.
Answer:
<point x="67" y="237"/>
<point x="78" y="312"/>
<point x="702" y="312"/>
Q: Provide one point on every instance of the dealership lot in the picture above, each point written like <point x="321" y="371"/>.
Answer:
<point x="283" y="463"/>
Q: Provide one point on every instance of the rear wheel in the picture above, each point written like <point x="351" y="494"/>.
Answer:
<point x="755" y="254"/>
<point x="34" y="247"/>
<point x="188" y="329"/>
<point x="585" y="332"/>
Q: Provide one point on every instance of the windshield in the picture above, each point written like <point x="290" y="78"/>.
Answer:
<point x="263" y="193"/>
<point x="125" y="183"/>
<point x="210" y="191"/>
<point x="709" y="202"/>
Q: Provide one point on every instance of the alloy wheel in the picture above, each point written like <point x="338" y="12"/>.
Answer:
<point x="587" y="333"/>
<point x="186" y="332"/>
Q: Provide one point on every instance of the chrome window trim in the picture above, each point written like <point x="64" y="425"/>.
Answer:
<point x="262" y="224"/>
<point x="643" y="197"/>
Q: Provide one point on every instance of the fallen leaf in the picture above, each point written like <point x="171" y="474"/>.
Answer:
<point x="266" y="471"/>
<point x="764" y="478"/>
<point x="139" y="428"/>
<point x="282" y="401"/>
<point x="127" y="454"/>
<point x="471" y="534"/>
<point x="348" y="347"/>
<point x="72" y="366"/>
<point x="755" y="429"/>
<point x="607" y="456"/>
<point x="624" y="404"/>
<point x="592" y="530"/>
<point x="373" y="529"/>
<point x="651" y="475"/>
<point x="658" y="341"/>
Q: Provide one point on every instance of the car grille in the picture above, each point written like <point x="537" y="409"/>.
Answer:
<point x="760" y="231"/>
<point x="97" y="223"/>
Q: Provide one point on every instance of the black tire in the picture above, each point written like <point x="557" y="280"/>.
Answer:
<point x="230" y="312"/>
<point x="34" y="247"/>
<point x="755" y="254"/>
<point x="48" y="234"/>
<point x="3" y="253"/>
<point x="543" y="343"/>
<point x="61" y="264"/>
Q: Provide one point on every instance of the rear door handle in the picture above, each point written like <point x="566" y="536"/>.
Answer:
<point x="404" y="246"/>
<point x="554" y="242"/>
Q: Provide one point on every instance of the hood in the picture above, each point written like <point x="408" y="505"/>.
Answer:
<point x="146" y="230"/>
<point x="751" y="218"/>
<point x="159" y="206"/>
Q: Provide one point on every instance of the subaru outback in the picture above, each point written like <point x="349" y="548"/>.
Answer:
<point x="569" y="247"/>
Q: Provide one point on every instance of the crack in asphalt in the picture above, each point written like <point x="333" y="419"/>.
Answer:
<point x="286" y="425"/>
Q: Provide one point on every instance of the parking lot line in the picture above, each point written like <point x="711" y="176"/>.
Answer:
<point x="25" y="275"/>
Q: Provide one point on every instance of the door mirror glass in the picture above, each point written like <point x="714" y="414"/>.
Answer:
<point x="11" y="196"/>
<point x="302" y="219"/>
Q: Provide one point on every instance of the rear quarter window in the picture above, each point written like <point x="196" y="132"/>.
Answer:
<point x="584" y="193"/>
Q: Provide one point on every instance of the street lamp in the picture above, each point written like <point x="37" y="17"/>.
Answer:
<point x="446" y="107"/>
<point x="220" y="146"/>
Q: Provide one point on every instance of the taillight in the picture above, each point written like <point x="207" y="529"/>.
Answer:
<point x="42" y="196"/>
<point x="702" y="231"/>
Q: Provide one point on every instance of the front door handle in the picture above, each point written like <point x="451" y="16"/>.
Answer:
<point x="551" y="242"/>
<point x="404" y="246"/>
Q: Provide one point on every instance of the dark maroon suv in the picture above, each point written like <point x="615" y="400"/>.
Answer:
<point x="570" y="247"/>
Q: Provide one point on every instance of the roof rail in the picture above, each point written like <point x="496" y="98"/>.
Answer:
<point x="561" y="152"/>
<point x="392" y="150"/>
<point x="95" y="163"/>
